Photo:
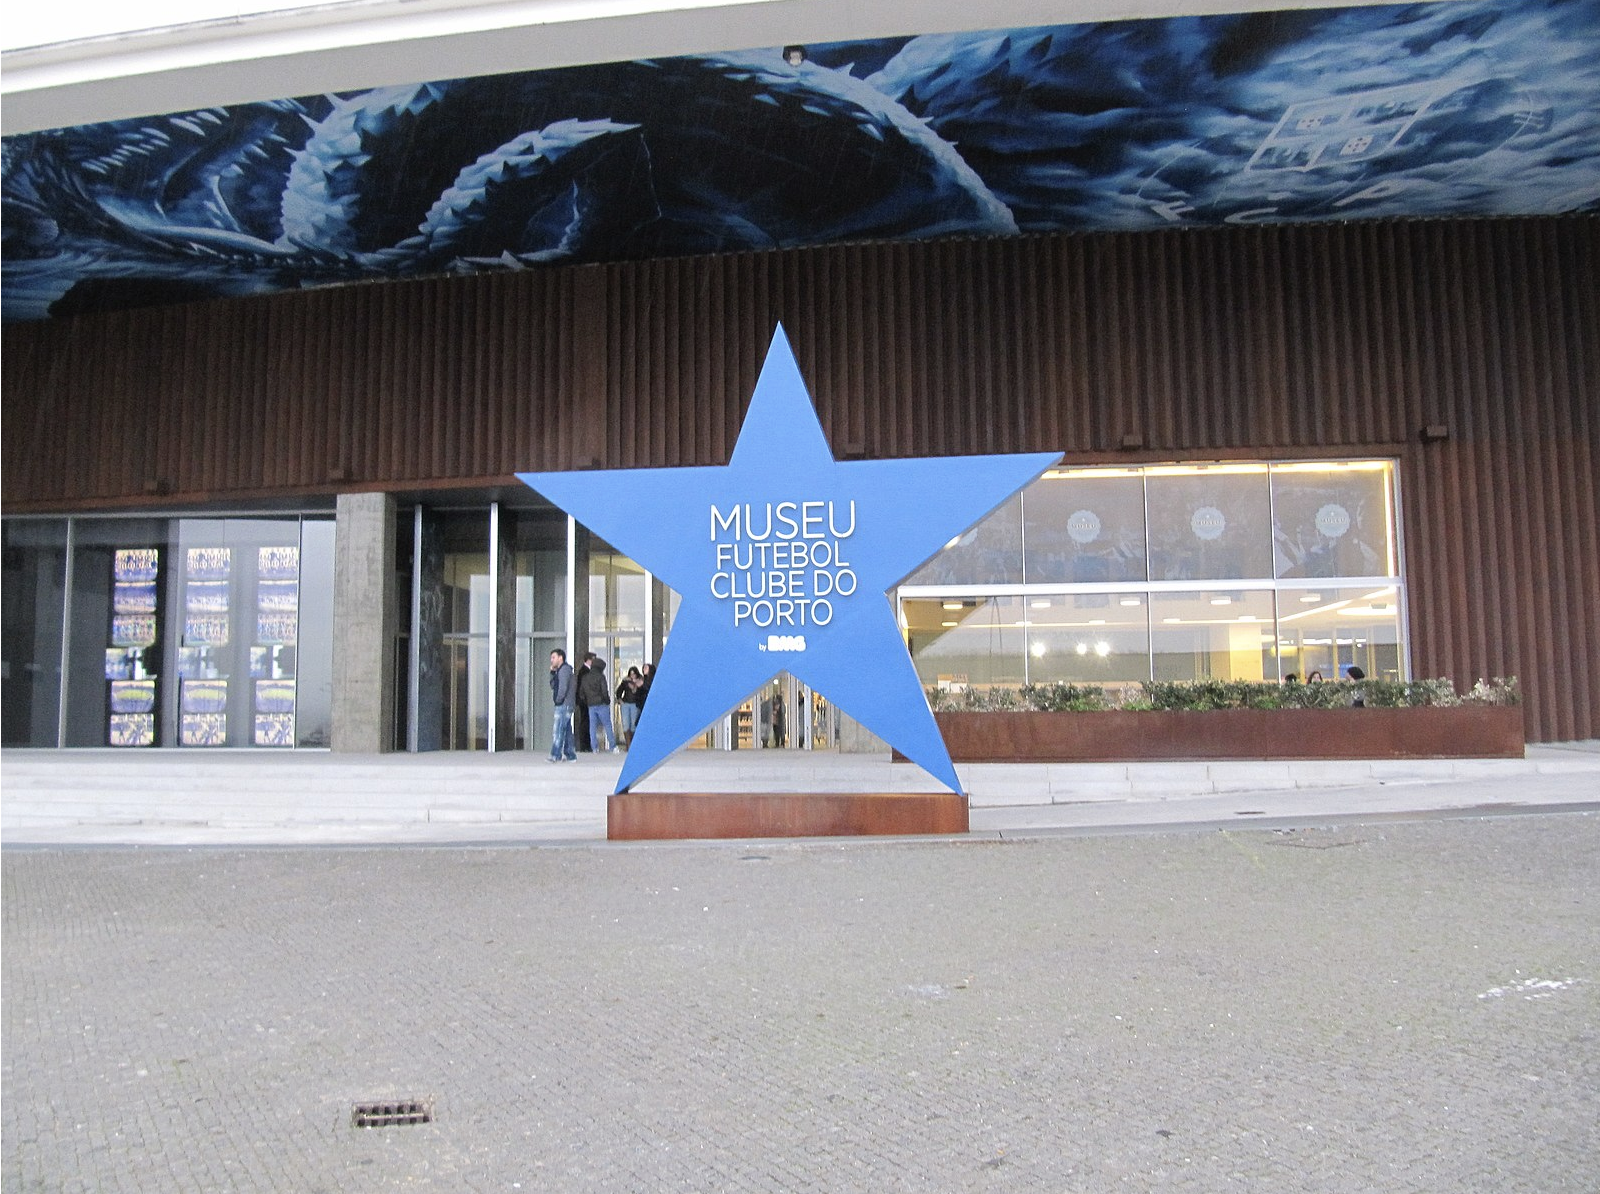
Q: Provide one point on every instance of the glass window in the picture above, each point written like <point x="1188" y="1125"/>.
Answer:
<point x="313" y="698"/>
<point x="465" y="578"/>
<point x="541" y="568"/>
<point x="1213" y="635"/>
<point x="1323" y="631"/>
<point x="1084" y="526"/>
<point x="958" y="642"/>
<point x="1209" y="522"/>
<point x="1333" y="519"/>
<point x="118" y="622"/>
<point x="1089" y="638"/>
<point x="32" y="613"/>
<point x="235" y="622"/>
<point x="990" y="553"/>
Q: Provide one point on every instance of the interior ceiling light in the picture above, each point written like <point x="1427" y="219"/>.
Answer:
<point x="1129" y="601"/>
<point x="1040" y="603"/>
<point x="1171" y="621"/>
<point x="1222" y="601"/>
<point x="947" y="624"/>
<point x="1310" y="597"/>
<point x="1102" y="649"/>
<point x="1037" y="650"/>
<point x="1083" y="648"/>
<point x="954" y="605"/>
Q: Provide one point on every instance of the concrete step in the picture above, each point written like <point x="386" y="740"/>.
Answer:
<point x="263" y="788"/>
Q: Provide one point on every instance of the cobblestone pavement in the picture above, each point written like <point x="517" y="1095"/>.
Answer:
<point x="1395" y="1007"/>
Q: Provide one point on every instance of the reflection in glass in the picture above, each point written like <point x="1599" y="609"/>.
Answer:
<point x="1222" y="635"/>
<point x="1325" y="630"/>
<point x="1088" y="638"/>
<point x="1333" y="519"/>
<point x="313" y="697"/>
<point x="1209" y="522"/>
<point x="990" y="553"/>
<point x="465" y="625"/>
<point x="1084" y="526"/>
<point x="967" y="641"/>
<point x="31" y="612"/>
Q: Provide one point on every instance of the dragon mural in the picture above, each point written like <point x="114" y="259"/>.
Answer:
<point x="1429" y="109"/>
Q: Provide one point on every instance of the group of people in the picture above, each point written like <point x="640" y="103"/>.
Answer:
<point x="1351" y="672"/>
<point x="588" y="689"/>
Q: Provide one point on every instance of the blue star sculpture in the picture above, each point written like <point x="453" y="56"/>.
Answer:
<point x="784" y="558"/>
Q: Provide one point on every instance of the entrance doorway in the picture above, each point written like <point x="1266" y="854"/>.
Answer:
<point x="783" y="714"/>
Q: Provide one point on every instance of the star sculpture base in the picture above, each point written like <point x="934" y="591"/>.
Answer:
<point x="672" y="816"/>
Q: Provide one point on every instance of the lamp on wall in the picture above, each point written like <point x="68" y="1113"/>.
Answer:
<point x="1434" y="432"/>
<point x="794" y="55"/>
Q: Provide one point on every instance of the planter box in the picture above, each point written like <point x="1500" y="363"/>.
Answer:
<point x="1459" y="732"/>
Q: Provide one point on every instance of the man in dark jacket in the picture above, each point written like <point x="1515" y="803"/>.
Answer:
<point x="563" y="692"/>
<point x="593" y="691"/>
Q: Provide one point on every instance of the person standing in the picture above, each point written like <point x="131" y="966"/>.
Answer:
<point x="630" y="699"/>
<point x="780" y="720"/>
<point x="563" y="692"/>
<point x="594" y="692"/>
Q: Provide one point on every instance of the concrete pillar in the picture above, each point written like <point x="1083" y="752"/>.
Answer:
<point x="364" y="623"/>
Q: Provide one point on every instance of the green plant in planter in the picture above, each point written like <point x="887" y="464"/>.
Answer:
<point x="1502" y="690"/>
<point x="1202" y="695"/>
<point x="1060" y="697"/>
<point x="1431" y="693"/>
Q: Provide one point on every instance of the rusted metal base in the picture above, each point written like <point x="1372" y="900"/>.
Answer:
<point x="658" y="816"/>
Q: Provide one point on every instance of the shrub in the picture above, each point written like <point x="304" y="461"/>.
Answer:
<point x="1064" y="698"/>
<point x="1202" y="695"/>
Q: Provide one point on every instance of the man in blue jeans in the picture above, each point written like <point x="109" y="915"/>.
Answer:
<point x="564" y="692"/>
<point x="596" y="693"/>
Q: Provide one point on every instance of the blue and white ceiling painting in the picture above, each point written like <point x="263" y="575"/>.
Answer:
<point x="1473" y="107"/>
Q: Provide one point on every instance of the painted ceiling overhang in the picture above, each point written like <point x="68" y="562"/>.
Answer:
<point x="1466" y="108"/>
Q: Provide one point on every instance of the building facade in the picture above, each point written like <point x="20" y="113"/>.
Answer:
<point x="291" y="521"/>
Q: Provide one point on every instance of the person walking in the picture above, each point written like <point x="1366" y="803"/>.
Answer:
<point x="594" y="692"/>
<point x="563" y="692"/>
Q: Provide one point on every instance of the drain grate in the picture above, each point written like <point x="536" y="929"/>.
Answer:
<point x="391" y="1115"/>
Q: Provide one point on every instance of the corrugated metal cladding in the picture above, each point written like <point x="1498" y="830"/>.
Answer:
<point x="1242" y="342"/>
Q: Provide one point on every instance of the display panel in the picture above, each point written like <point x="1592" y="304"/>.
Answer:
<point x="1084" y="526"/>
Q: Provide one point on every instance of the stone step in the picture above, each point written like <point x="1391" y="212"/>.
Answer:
<point x="253" y="788"/>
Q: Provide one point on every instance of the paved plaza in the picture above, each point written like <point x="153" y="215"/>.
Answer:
<point x="1346" y="1006"/>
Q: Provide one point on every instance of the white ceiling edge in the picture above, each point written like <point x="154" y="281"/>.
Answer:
<point x="347" y="47"/>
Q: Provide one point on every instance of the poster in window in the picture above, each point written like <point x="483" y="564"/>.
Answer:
<point x="274" y="713"/>
<point x="206" y="597"/>
<point x="278" y="563"/>
<point x="204" y="729"/>
<point x="278" y="596"/>
<point x="276" y="629"/>
<point x="132" y="729"/>
<point x="205" y="696"/>
<point x="205" y="630"/>
<point x="133" y="630"/>
<point x="135" y="564"/>
<point x="134" y="597"/>
<point x="207" y="563"/>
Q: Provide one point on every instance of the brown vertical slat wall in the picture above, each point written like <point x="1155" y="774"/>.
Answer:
<point x="1252" y="341"/>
